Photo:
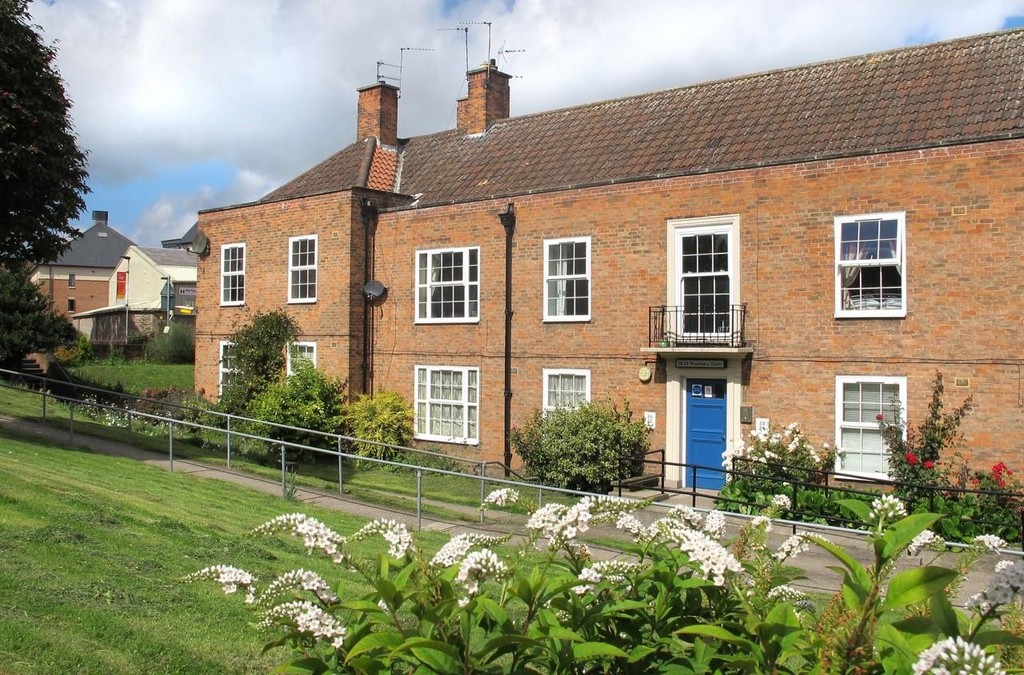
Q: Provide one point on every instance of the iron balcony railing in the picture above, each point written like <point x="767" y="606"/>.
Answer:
<point x="672" y="326"/>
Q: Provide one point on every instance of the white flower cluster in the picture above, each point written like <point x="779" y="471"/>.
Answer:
<point x="1007" y="583"/>
<point x="607" y="508"/>
<point x="478" y="566"/>
<point x="458" y="546"/>
<point x="559" y="523"/>
<point x="927" y="539"/>
<point x="886" y="509"/>
<point x="686" y="515"/>
<point x="314" y="534"/>
<point x="989" y="542"/>
<point x="627" y="522"/>
<point x="792" y="438"/>
<point x="714" y="559"/>
<point x="307" y="618"/>
<point x="1003" y="564"/>
<point x="229" y="578"/>
<point x="782" y="501"/>
<point x="953" y="656"/>
<point x="714" y="524"/>
<point x="298" y="579"/>
<point x="786" y="593"/>
<point x="763" y="523"/>
<point x="613" y="570"/>
<point x="792" y="547"/>
<point x="394" y="533"/>
<point x="502" y="497"/>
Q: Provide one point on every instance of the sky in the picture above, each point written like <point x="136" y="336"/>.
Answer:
<point x="184" y="105"/>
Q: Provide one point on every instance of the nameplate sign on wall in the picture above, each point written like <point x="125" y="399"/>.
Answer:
<point x="700" y="363"/>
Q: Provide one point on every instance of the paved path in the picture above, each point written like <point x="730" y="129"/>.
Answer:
<point x="815" y="563"/>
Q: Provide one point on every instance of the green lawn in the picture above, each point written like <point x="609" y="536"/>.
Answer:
<point x="92" y="550"/>
<point x="134" y="376"/>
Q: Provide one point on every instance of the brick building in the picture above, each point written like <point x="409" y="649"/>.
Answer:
<point x="804" y="245"/>
<point x="79" y="280"/>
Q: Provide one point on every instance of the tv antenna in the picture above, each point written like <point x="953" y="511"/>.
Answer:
<point x="381" y="77"/>
<point x="478" y="23"/>
<point x="502" y="53"/>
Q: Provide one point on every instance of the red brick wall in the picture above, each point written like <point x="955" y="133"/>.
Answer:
<point x="963" y="212"/>
<point x="334" y="322"/>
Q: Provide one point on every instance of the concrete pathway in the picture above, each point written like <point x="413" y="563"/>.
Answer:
<point x="815" y="563"/>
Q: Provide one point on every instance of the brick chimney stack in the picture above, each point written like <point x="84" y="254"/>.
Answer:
<point x="487" y="100"/>
<point x="378" y="113"/>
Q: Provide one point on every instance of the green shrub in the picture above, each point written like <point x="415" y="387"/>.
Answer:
<point x="75" y="354"/>
<point x="257" y="358"/>
<point x="306" y="399"/>
<point x="581" y="448"/>
<point x="177" y="345"/>
<point x="384" y="418"/>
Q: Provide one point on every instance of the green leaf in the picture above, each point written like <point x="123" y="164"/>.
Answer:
<point x="902" y="532"/>
<point x="506" y="644"/>
<point x="859" y="574"/>
<point x="590" y="650"/>
<point x="305" y="666"/>
<point x="717" y="633"/>
<point x="493" y="609"/>
<point x="382" y="640"/>
<point x="856" y="507"/>
<point x="944" y="615"/>
<point x="440" y="657"/>
<point x="997" y="637"/>
<point x="640" y="652"/>
<point x="917" y="584"/>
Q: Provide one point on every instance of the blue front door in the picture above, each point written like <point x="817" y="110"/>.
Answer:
<point x="705" y="431"/>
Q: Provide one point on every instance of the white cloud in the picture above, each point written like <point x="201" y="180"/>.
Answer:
<point x="269" y="86"/>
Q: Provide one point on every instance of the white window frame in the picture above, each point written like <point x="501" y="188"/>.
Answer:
<point x="293" y="347"/>
<point x="548" y="373"/>
<point x="225" y="274"/>
<point x="293" y="268"/>
<point x="223" y="370"/>
<point x="549" y="278"/>
<point x="898" y="259"/>
<point x="871" y="424"/>
<point x="424" y="285"/>
<point x="422" y="404"/>
<point x="729" y="225"/>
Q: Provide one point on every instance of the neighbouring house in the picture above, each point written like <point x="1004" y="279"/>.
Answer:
<point x="149" y="288"/>
<point x="184" y="241"/>
<point x="808" y="244"/>
<point x="79" y="280"/>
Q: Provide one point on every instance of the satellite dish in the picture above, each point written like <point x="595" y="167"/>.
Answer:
<point x="374" y="290"/>
<point x="200" y="245"/>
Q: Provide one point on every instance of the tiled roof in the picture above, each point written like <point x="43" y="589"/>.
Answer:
<point x="961" y="91"/>
<point x="344" y="169"/>
<point x="383" y="169"/>
<point x="171" y="257"/>
<point x="99" y="246"/>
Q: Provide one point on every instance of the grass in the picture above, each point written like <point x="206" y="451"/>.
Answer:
<point x="133" y="376"/>
<point x="94" y="549"/>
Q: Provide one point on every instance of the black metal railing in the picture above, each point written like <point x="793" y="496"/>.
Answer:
<point x="673" y="326"/>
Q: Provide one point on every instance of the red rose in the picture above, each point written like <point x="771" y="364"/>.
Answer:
<point x="928" y="464"/>
<point x="911" y="458"/>
<point x="879" y="417"/>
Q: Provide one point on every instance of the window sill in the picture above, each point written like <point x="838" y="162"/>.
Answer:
<point x="447" y="439"/>
<point x="435" y="322"/>
<point x="566" y="319"/>
<point x="233" y="304"/>
<point x="871" y="314"/>
<point x="302" y="301"/>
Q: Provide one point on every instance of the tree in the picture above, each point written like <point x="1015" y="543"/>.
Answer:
<point x="27" y="323"/>
<point x="42" y="170"/>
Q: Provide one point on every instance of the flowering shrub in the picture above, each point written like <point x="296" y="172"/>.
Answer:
<point x="758" y="468"/>
<point x="917" y="456"/>
<point x="680" y="600"/>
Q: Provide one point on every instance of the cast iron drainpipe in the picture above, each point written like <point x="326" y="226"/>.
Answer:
<point x="369" y="215"/>
<point x="508" y="221"/>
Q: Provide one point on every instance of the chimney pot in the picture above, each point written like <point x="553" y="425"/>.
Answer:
<point x="487" y="100"/>
<point x="99" y="218"/>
